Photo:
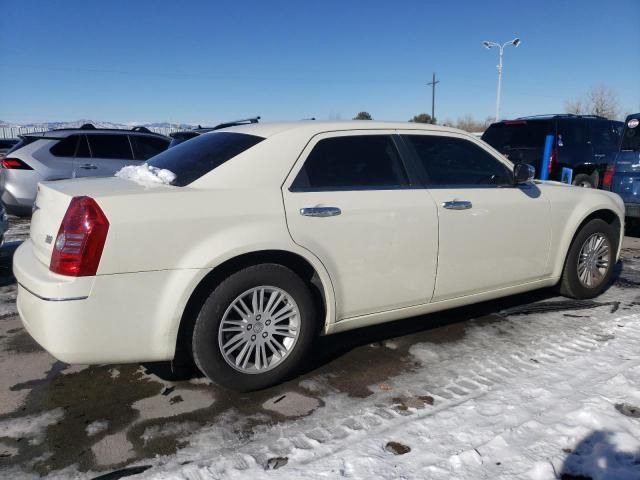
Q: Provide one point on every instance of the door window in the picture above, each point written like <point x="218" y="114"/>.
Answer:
<point x="352" y="163"/>
<point x="449" y="161"/>
<point x="606" y="135"/>
<point x="110" y="146"/>
<point x="73" y="146"/>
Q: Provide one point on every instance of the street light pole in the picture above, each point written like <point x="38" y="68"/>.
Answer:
<point x="488" y="45"/>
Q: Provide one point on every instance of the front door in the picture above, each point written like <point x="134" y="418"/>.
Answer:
<point x="350" y="202"/>
<point x="491" y="235"/>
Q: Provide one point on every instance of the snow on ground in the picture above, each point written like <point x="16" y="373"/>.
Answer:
<point x="562" y="405"/>
<point x="146" y="174"/>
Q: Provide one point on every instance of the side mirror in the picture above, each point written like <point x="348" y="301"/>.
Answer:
<point x="523" y="173"/>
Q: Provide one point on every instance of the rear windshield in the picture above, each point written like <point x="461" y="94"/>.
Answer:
<point x="631" y="137"/>
<point x="517" y="134"/>
<point x="197" y="157"/>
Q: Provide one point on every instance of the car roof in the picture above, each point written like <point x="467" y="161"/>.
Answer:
<point x="312" y="127"/>
<point x="65" y="132"/>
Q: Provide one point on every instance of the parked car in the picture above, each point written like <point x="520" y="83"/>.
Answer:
<point x="623" y="175"/>
<point x="586" y="144"/>
<point x="7" y="144"/>
<point x="178" y="137"/>
<point x="271" y="234"/>
<point x="70" y="153"/>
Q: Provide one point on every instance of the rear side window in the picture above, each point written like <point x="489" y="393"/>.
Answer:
<point x="66" y="147"/>
<point x="352" y="162"/>
<point x="606" y="135"/>
<point x="147" y="147"/>
<point x="504" y="136"/>
<point x="455" y="162"/>
<point x="197" y="157"/>
<point x="572" y="133"/>
<point x="110" y="146"/>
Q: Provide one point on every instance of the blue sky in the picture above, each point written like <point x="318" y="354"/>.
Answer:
<point x="207" y="61"/>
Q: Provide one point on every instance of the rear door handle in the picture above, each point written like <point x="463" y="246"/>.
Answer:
<point x="457" y="205"/>
<point x="88" y="166"/>
<point x="320" y="211"/>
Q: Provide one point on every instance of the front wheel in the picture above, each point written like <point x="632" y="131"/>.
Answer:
<point x="255" y="328"/>
<point x="590" y="261"/>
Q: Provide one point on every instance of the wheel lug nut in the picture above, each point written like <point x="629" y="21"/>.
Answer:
<point x="258" y="317"/>
<point x="249" y="327"/>
<point x="253" y="337"/>
<point x="268" y="322"/>
<point x="264" y="335"/>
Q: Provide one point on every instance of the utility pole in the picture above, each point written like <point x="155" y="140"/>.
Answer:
<point x="433" y="84"/>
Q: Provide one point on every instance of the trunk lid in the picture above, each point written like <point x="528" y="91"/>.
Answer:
<point x="53" y="199"/>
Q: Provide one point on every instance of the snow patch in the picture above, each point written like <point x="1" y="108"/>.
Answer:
<point x="31" y="426"/>
<point x="146" y="175"/>
<point x="96" y="427"/>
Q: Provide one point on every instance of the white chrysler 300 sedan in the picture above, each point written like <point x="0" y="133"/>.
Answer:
<point x="270" y="234"/>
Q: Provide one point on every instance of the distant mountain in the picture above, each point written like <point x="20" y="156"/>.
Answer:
<point x="97" y="124"/>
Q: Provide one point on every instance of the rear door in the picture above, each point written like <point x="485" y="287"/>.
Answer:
<point x="109" y="153"/>
<point x="574" y="144"/>
<point x="350" y="201"/>
<point x="491" y="235"/>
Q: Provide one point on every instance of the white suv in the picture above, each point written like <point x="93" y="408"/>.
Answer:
<point x="70" y="153"/>
<point x="270" y="234"/>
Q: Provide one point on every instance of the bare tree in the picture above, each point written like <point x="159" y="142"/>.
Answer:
<point x="470" y="124"/>
<point x="599" y="100"/>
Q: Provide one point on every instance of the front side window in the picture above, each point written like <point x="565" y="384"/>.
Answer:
<point x="449" y="161"/>
<point x="352" y="163"/>
<point x="110" y="146"/>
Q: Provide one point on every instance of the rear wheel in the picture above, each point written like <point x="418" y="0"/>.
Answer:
<point x="255" y="328"/>
<point x="590" y="261"/>
<point x="585" y="181"/>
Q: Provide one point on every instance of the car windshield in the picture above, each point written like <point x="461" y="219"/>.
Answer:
<point x="517" y="134"/>
<point x="631" y="136"/>
<point x="199" y="156"/>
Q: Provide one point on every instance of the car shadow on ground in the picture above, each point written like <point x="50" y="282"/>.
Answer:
<point x="597" y="456"/>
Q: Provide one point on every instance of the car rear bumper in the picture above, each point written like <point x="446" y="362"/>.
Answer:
<point x="129" y="317"/>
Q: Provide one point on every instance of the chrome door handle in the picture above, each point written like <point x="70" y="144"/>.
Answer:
<point x="599" y="155"/>
<point x="88" y="166"/>
<point x="320" y="211"/>
<point x="457" y="205"/>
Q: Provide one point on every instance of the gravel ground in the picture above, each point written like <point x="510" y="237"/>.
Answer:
<point x="81" y="422"/>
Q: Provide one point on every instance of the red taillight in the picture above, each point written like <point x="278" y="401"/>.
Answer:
<point x="14" y="164"/>
<point x="607" y="181"/>
<point x="80" y="240"/>
<point x="552" y="160"/>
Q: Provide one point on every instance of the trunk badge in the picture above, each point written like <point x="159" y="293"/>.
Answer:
<point x="48" y="239"/>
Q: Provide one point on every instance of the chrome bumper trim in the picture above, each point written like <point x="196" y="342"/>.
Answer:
<point x="53" y="299"/>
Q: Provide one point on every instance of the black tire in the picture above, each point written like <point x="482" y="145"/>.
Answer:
<point x="206" y="350"/>
<point x="584" y="180"/>
<point x="570" y="285"/>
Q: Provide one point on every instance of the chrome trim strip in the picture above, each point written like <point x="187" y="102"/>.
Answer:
<point x="53" y="299"/>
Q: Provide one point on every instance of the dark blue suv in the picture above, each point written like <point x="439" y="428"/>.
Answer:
<point x="623" y="175"/>
<point x="583" y="144"/>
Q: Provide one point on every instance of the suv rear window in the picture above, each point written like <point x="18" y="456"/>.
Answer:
<point x="199" y="156"/>
<point x="517" y="134"/>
